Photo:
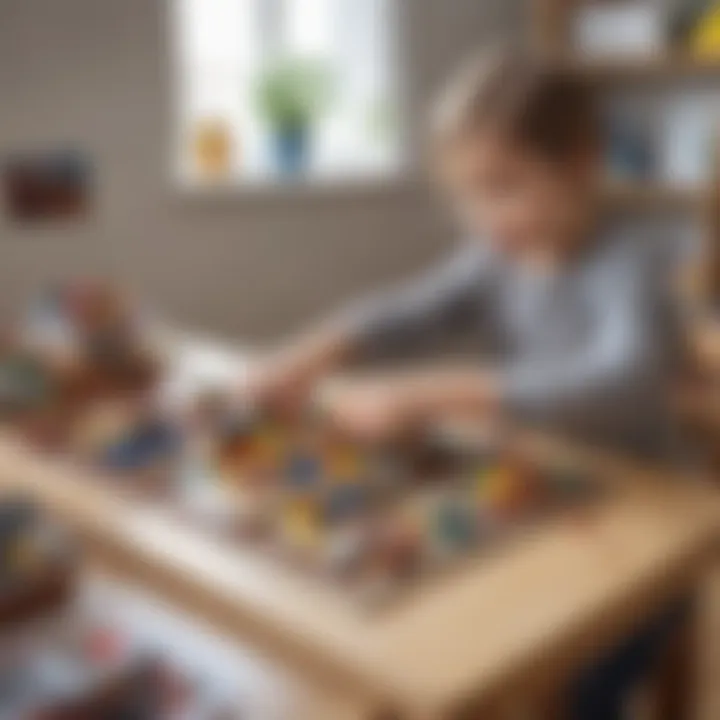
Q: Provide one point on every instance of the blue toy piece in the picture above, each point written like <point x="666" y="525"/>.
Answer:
<point x="455" y="524"/>
<point x="345" y="501"/>
<point x="303" y="471"/>
<point x="145" y="445"/>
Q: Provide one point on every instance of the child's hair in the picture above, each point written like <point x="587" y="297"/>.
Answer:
<point x="545" y="109"/>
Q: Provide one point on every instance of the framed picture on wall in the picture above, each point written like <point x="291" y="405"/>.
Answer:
<point x="46" y="186"/>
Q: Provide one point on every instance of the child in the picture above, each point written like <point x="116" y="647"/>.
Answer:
<point x="574" y="317"/>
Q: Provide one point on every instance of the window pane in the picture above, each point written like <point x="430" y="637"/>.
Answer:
<point x="226" y="46"/>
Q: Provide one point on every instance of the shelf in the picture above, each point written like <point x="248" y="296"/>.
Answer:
<point x="649" y="196"/>
<point x="657" y="69"/>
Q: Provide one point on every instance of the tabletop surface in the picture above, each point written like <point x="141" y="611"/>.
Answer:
<point x="522" y="611"/>
<point x="708" y="344"/>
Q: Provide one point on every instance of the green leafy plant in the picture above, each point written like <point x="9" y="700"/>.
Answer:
<point x="292" y="93"/>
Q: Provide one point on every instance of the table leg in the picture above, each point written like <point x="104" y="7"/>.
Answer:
<point x="675" y="688"/>
<point x="536" y="707"/>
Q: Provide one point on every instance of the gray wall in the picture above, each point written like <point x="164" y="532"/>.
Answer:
<point x="94" y="74"/>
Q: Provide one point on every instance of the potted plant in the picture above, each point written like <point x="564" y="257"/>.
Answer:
<point x="291" y="95"/>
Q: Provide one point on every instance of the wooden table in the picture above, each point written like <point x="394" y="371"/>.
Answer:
<point x="507" y="629"/>
<point x="700" y="403"/>
<point x="707" y="345"/>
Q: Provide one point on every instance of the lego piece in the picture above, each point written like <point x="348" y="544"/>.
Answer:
<point x="346" y="500"/>
<point x="344" y="463"/>
<point x="303" y="471"/>
<point x="300" y="525"/>
<point x="455" y="524"/>
<point x="149" y="442"/>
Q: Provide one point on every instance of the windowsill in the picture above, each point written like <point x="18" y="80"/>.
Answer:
<point x="301" y="189"/>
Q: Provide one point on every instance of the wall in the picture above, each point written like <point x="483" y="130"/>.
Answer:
<point x="94" y="74"/>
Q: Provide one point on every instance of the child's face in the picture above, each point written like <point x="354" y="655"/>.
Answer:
<point x="520" y="201"/>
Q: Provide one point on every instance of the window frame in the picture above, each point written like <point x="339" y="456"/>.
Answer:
<point x="402" y="177"/>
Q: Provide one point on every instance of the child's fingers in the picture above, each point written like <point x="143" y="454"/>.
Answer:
<point x="365" y="419"/>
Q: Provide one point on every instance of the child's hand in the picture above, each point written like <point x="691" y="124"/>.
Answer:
<point x="283" y="383"/>
<point x="279" y="385"/>
<point x="381" y="409"/>
<point x="371" y="411"/>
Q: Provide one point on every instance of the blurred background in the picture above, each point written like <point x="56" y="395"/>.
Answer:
<point x="244" y="164"/>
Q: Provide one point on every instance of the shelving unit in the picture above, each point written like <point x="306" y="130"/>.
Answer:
<point x="654" y="69"/>
<point x="551" y="35"/>
<point x="651" y="197"/>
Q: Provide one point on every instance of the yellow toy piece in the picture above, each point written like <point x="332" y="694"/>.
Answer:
<point x="344" y="464"/>
<point x="488" y="482"/>
<point x="498" y="488"/>
<point x="248" y="460"/>
<point x="705" y="40"/>
<point x="300" y="525"/>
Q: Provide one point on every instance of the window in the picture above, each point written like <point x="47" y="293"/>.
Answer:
<point x="275" y="89"/>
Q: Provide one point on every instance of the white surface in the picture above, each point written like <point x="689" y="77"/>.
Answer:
<point x="227" y="669"/>
<point x="198" y="364"/>
<point x="226" y="675"/>
<point x="687" y="147"/>
<point x="626" y="29"/>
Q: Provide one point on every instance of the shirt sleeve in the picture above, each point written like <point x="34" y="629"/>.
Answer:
<point x="414" y="314"/>
<point x="625" y="360"/>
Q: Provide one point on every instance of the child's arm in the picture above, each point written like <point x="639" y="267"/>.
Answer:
<point x="628" y="359"/>
<point x="625" y="363"/>
<point x="418" y="313"/>
<point x="376" y="409"/>
<point x="397" y="321"/>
